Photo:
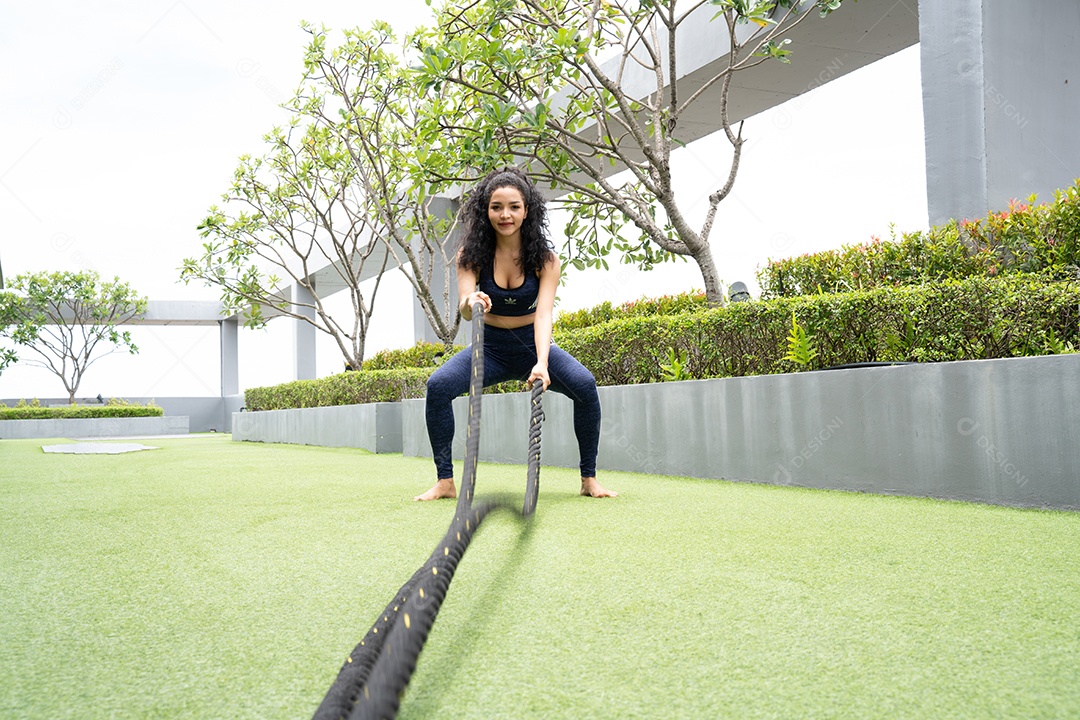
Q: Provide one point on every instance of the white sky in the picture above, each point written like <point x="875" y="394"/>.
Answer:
<point x="122" y="123"/>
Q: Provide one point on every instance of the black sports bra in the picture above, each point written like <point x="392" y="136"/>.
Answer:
<point x="514" y="303"/>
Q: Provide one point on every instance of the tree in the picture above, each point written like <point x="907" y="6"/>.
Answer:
<point x="548" y="84"/>
<point x="64" y="317"/>
<point x="332" y="191"/>
<point x="289" y="213"/>
<point x="378" y="113"/>
<point x="8" y="318"/>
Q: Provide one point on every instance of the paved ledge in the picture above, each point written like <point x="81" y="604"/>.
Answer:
<point x="996" y="431"/>
<point x="375" y="427"/>
<point x="93" y="427"/>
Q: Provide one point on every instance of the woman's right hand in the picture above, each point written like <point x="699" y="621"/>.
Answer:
<point x="473" y="298"/>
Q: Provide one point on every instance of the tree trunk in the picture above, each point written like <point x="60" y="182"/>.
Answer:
<point x="714" y="289"/>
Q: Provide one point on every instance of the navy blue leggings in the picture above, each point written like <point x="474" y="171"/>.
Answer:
<point x="511" y="355"/>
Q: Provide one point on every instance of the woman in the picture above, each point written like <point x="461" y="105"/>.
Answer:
<point x="507" y="264"/>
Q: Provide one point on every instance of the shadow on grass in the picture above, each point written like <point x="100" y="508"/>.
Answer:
<point x="427" y="702"/>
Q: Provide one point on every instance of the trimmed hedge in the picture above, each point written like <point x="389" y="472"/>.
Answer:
<point x="30" y="412"/>
<point x="644" y="307"/>
<point x="348" y="388"/>
<point x="1027" y="238"/>
<point x="968" y="319"/>
<point x="393" y="375"/>
<point x="422" y="354"/>
<point x="353" y="388"/>
<point x="956" y="320"/>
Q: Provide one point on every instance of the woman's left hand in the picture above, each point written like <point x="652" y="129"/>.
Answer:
<point x="539" y="371"/>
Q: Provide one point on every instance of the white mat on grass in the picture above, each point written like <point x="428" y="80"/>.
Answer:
<point x="97" y="448"/>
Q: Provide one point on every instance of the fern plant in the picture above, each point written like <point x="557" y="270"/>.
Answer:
<point x="800" y="345"/>
<point x="902" y="345"/>
<point x="675" y="368"/>
<point x="1058" y="346"/>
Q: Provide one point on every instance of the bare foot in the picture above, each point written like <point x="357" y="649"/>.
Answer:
<point x="441" y="489"/>
<point x="591" y="488"/>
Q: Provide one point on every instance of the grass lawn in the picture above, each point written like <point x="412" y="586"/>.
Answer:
<point x="212" y="579"/>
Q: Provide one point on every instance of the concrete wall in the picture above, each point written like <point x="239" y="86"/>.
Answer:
<point x="93" y="427"/>
<point x="1001" y="91"/>
<point x="997" y="431"/>
<point x="375" y="427"/>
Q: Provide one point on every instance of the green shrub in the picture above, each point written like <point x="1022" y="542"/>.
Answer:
<point x="973" y="318"/>
<point x="352" y="388"/>
<point x="1025" y="239"/>
<point x="915" y="258"/>
<point x="421" y="355"/>
<point x="348" y="388"/>
<point x="121" y="402"/>
<point x="643" y="307"/>
<point x="120" y="409"/>
<point x="954" y="320"/>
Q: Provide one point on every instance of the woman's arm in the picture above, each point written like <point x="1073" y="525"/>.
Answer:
<point x="467" y="280"/>
<point x="545" y="309"/>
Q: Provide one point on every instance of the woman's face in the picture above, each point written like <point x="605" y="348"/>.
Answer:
<point x="506" y="211"/>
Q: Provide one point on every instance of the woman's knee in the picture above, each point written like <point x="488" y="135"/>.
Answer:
<point x="443" y="384"/>
<point x="579" y="387"/>
<point x="569" y="370"/>
<point x="580" y="380"/>
<point x="434" y="386"/>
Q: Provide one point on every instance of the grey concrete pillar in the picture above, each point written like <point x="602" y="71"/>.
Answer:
<point x="1000" y="102"/>
<point x="303" y="334"/>
<point x="422" y="329"/>
<point x="230" y="352"/>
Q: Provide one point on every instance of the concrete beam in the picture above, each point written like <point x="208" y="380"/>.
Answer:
<point x="852" y="37"/>
<point x="181" y="312"/>
<point x="171" y="312"/>
<point x="333" y="277"/>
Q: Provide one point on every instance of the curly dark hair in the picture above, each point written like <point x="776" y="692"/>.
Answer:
<point x="478" y="236"/>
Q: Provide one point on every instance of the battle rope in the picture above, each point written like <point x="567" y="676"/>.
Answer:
<point x="374" y="676"/>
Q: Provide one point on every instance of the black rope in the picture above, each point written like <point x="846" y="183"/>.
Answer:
<point x="472" y="432"/>
<point x="536" y="419"/>
<point x="374" y="677"/>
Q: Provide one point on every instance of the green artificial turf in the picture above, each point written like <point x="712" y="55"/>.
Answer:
<point x="211" y="579"/>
